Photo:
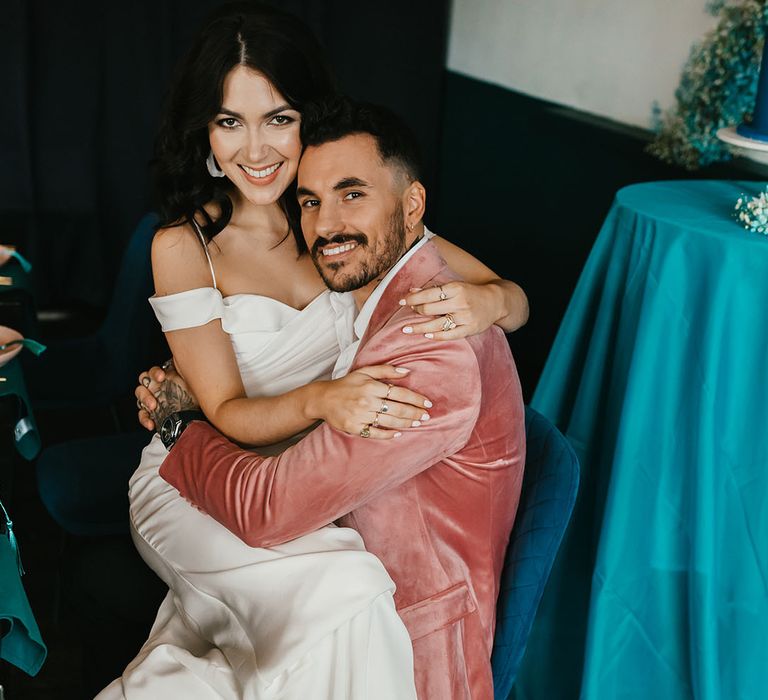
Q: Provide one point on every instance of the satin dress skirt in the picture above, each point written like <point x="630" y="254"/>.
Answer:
<point x="311" y="618"/>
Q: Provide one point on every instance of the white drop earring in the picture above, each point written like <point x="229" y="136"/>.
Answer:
<point x="213" y="168"/>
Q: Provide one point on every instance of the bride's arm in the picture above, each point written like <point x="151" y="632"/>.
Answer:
<point x="204" y="357"/>
<point x="483" y="299"/>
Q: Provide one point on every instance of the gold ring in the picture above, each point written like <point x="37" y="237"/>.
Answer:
<point x="139" y="405"/>
<point x="375" y="423"/>
<point x="443" y="295"/>
<point x="366" y="431"/>
<point x="389" y="388"/>
<point x="448" y="323"/>
<point x="384" y="407"/>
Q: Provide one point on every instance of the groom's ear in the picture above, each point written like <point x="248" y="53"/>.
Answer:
<point x="414" y="203"/>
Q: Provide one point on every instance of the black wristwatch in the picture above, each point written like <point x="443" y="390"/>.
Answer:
<point x="174" y="424"/>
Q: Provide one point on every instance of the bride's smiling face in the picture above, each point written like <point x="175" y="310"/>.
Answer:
<point x="255" y="136"/>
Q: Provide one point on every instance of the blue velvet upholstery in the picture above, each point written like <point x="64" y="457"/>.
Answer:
<point x="550" y="483"/>
<point x="84" y="483"/>
<point x="126" y="343"/>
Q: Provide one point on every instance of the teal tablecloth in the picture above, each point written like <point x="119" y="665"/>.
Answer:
<point x="659" y="377"/>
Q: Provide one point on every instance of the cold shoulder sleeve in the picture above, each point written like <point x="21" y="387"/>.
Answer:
<point x="189" y="309"/>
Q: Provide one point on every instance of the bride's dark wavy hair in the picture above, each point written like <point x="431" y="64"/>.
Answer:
<point x="274" y="43"/>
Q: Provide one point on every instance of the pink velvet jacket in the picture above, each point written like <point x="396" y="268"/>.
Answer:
<point x="435" y="505"/>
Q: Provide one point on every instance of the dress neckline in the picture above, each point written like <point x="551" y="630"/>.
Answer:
<point x="275" y="301"/>
<point x="246" y="295"/>
<point x="216" y="291"/>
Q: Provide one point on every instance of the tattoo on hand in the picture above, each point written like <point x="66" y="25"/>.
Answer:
<point x="171" y="398"/>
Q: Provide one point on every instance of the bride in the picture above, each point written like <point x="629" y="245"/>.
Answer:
<point x="256" y="334"/>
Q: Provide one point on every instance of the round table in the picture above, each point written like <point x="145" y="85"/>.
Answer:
<point x="659" y="378"/>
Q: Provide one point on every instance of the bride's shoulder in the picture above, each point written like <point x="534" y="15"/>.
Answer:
<point x="183" y="231"/>
<point x="179" y="259"/>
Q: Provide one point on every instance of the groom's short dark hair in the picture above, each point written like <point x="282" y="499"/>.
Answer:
<point x="334" y="118"/>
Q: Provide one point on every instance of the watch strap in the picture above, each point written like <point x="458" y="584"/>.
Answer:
<point x="175" y="424"/>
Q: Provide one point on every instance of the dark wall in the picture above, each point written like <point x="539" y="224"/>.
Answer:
<point x="82" y="84"/>
<point x="525" y="185"/>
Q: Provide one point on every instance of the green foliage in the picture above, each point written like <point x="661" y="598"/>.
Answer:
<point x="717" y="87"/>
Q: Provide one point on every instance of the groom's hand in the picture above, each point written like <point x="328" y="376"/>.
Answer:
<point x="162" y="391"/>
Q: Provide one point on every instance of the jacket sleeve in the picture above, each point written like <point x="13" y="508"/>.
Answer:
<point x="269" y="500"/>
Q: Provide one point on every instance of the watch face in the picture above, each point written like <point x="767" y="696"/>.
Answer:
<point x="167" y="430"/>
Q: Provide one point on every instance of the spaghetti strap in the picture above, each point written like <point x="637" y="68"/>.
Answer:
<point x="196" y="226"/>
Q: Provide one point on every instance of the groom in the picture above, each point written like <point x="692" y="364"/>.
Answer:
<point x="437" y="504"/>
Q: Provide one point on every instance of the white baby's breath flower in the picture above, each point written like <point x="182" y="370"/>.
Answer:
<point x="752" y="212"/>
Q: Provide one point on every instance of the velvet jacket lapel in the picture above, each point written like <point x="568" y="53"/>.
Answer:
<point x="424" y="266"/>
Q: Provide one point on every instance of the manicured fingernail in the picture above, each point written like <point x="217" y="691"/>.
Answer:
<point x="402" y="370"/>
<point x="427" y="403"/>
<point x="407" y="329"/>
<point x="397" y="435"/>
<point x="429" y="335"/>
<point x="416" y="424"/>
<point x="425" y="416"/>
<point x="401" y="302"/>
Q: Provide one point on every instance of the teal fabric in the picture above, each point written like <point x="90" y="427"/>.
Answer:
<point x="20" y="641"/>
<point x="26" y="436"/>
<point x="658" y="378"/>
<point x="23" y="262"/>
<point x="20" y="277"/>
<point x="17" y="299"/>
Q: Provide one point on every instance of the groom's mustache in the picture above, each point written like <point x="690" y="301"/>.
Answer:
<point x="341" y="239"/>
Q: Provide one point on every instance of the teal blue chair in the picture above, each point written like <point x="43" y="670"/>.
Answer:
<point x="109" y="360"/>
<point x="84" y="483"/>
<point x="550" y="484"/>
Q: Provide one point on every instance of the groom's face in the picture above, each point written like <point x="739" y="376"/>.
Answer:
<point x="351" y="211"/>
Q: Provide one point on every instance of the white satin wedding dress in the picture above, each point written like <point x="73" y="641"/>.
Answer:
<point x="312" y="619"/>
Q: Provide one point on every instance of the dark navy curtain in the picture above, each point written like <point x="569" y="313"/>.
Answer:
<point x="81" y="85"/>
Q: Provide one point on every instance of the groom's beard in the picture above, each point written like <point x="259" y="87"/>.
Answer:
<point x="367" y="262"/>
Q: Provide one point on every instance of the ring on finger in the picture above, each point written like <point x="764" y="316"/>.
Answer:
<point x="146" y="381"/>
<point x="167" y="364"/>
<point x="443" y="296"/>
<point x="366" y="431"/>
<point x="139" y="405"/>
<point x="448" y="323"/>
<point x="389" y="388"/>
<point x="384" y="407"/>
<point x="375" y="423"/>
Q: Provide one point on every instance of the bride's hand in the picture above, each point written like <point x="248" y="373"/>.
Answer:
<point x="472" y="307"/>
<point x="365" y="399"/>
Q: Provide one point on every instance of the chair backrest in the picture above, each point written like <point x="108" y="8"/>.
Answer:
<point x="129" y="330"/>
<point x="550" y="483"/>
